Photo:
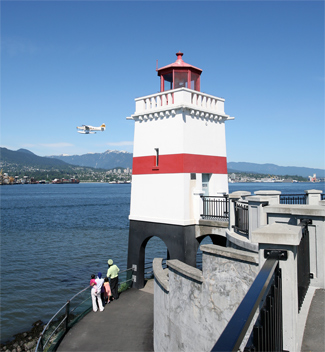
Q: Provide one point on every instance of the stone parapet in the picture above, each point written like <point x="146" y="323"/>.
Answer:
<point x="241" y="242"/>
<point x="192" y="314"/>
<point x="186" y="270"/>
<point x="239" y="195"/>
<point x="273" y="197"/>
<point x="278" y="234"/>
<point x="231" y="253"/>
<point x="296" y="209"/>
<point x="161" y="275"/>
<point x="313" y="196"/>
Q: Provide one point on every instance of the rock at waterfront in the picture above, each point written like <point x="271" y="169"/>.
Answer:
<point x="25" y="341"/>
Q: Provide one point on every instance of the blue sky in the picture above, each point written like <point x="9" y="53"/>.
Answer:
<point x="68" y="63"/>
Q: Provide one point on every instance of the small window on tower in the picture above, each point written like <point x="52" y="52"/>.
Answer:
<point x="157" y="156"/>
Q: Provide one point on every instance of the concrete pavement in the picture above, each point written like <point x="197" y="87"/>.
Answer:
<point x="125" y="325"/>
<point x="314" y="335"/>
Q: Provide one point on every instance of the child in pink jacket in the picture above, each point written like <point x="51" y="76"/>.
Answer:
<point x="107" y="291"/>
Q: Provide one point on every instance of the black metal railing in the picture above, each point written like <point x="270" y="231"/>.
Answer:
<point x="266" y="290"/>
<point x="293" y="198"/>
<point x="70" y="313"/>
<point x="303" y="264"/>
<point x="215" y="208"/>
<point x="241" y="218"/>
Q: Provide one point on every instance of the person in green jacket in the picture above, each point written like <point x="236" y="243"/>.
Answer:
<point x="112" y="274"/>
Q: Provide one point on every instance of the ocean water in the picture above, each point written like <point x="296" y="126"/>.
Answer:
<point x="53" y="237"/>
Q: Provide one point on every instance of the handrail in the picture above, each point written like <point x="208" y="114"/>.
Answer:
<point x="215" y="207"/>
<point x="54" y="331"/>
<point x="235" y="331"/>
<point x="123" y="271"/>
<point x="40" y="346"/>
<point x="54" y="316"/>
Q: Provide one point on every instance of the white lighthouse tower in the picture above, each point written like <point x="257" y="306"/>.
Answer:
<point x="179" y="154"/>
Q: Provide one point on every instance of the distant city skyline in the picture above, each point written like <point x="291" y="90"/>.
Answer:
<point x="64" y="64"/>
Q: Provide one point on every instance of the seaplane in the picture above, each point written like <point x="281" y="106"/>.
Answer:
<point x="86" y="129"/>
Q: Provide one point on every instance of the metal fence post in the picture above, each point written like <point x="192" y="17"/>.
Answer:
<point x="67" y="312"/>
<point x="40" y="349"/>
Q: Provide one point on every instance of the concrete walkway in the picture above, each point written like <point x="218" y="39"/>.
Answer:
<point x="314" y="335"/>
<point x="125" y="325"/>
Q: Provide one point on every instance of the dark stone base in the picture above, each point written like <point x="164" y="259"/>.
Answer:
<point x="179" y="240"/>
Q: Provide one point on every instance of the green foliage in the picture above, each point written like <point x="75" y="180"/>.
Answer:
<point x="123" y="287"/>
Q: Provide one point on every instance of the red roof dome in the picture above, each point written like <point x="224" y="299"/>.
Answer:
<point x="179" y="63"/>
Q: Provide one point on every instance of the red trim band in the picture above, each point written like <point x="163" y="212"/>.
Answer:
<point x="179" y="163"/>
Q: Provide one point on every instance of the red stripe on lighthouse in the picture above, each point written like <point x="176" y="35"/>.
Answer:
<point x="179" y="163"/>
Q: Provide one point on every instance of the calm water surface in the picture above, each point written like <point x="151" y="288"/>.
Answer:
<point x="54" y="236"/>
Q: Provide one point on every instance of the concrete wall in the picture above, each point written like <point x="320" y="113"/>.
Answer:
<point x="192" y="308"/>
<point x="279" y="226"/>
<point x="264" y="209"/>
<point x="292" y="215"/>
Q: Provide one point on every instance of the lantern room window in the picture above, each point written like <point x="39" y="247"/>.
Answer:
<point x="168" y="81"/>
<point x="195" y="81"/>
<point x="180" y="79"/>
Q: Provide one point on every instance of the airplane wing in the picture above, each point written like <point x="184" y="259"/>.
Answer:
<point x="84" y="127"/>
<point x="86" y="132"/>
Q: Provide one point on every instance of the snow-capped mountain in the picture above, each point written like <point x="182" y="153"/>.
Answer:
<point x="107" y="160"/>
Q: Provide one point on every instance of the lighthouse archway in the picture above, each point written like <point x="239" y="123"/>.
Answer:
<point x="154" y="247"/>
<point x="180" y="242"/>
<point x="143" y="249"/>
<point x="209" y="239"/>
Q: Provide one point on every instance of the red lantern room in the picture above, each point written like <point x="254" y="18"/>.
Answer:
<point x="179" y="75"/>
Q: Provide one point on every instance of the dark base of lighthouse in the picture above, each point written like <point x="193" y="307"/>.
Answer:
<point x="179" y="240"/>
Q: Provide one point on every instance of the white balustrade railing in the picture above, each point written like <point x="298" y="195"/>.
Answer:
<point x="207" y="102"/>
<point x="181" y="96"/>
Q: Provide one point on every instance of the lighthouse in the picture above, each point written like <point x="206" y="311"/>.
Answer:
<point x="179" y="155"/>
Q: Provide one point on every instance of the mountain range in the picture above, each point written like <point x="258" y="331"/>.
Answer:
<point x="272" y="169"/>
<point x="24" y="157"/>
<point x="108" y="160"/>
<point x="112" y="159"/>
